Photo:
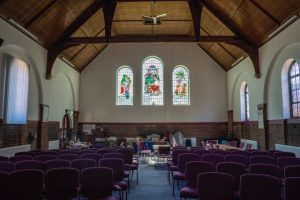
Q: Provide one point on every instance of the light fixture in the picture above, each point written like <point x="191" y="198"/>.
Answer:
<point x="284" y="25"/>
<point x="21" y="28"/>
<point x="237" y="61"/>
<point x="67" y="61"/>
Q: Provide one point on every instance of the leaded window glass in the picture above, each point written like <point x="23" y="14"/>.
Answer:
<point x="124" y="86"/>
<point x="247" y="109"/>
<point x="181" y="86"/>
<point x="152" y="81"/>
<point x="294" y="88"/>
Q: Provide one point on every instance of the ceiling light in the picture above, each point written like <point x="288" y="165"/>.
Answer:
<point x="283" y="26"/>
<point x="21" y="28"/>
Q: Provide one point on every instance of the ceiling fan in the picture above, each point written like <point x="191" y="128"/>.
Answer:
<point x="153" y="19"/>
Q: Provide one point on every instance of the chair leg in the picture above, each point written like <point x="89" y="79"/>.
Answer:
<point x="178" y="184"/>
<point x="169" y="176"/>
<point x="173" y="188"/>
<point x="137" y="175"/>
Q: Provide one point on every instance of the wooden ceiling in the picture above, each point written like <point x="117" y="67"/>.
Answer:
<point x="79" y="30"/>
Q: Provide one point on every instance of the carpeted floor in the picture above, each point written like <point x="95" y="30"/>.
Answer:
<point x="153" y="184"/>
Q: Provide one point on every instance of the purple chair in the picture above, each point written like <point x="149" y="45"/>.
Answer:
<point x="52" y="153"/>
<point x="192" y="170"/>
<point x="44" y="158"/>
<point x="215" y="185"/>
<point x="57" y="163"/>
<point x="68" y="157"/>
<point x="3" y="183"/>
<point x="27" y="153"/>
<point x="266" y="169"/>
<point x="93" y="156"/>
<point x="27" y="183"/>
<point x="128" y="162"/>
<point x="201" y="152"/>
<point x="241" y="145"/>
<point x="105" y="150"/>
<point x="173" y="165"/>
<point x="260" y="153"/>
<point x="193" y="149"/>
<point x="113" y="155"/>
<point x="213" y="159"/>
<point x="29" y="164"/>
<point x="291" y="188"/>
<point x="87" y="151"/>
<point x="259" y="187"/>
<point x="234" y="169"/>
<point x="239" y="152"/>
<point x="182" y="160"/>
<point x="81" y="164"/>
<point x="282" y="162"/>
<point x="262" y="159"/>
<point x="97" y="183"/>
<point x="61" y="183"/>
<point x="221" y="152"/>
<point x="237" y="159"/>
<point x="292" y="171"/>
<point x="117" y="165"/>
<point x="278" y="154"/>
<point x="69" y="151"/>
<point x="3" y="158"/>
<point x="20" y="158"/>
<point x="97" y="146"/>
<point x="7" y="166"/>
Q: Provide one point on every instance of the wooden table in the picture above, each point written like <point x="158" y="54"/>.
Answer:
<point x="226" y="147"/>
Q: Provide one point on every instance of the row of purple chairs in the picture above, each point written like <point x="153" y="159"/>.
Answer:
<point x="58" y="183"/>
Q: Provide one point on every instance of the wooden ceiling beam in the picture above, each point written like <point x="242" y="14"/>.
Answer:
<point x="150" y="38"/>
<point x="109" y="8"/>
<point x="59" y="45"/>
<point x="39" y="14"/>
<point x="196" y="9"/>
<point x="265" y="12"/>
<point x="245" y="44"/>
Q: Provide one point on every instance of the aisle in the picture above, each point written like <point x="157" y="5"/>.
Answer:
<point x="153" y="185"/>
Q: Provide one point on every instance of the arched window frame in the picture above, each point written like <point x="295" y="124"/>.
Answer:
<point x="247" y="109"/>
<point x="184" y="98"/>
<point x="121" y="96"/>
<point x="244" y="100"/>
<point x="153" y="99"/>
<point x="294" y="103"/>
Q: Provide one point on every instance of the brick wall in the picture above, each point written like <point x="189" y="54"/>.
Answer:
<point x="198" y="130"/>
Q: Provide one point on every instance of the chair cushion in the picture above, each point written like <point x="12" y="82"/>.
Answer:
<point x="173" y="168"/>
<point x="189" y="192"/>
<point x="179" y="176"/>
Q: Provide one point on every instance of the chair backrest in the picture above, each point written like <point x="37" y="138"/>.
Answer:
<point x="96" y="182"/>
<point x="117" y="165"/>
<point x="215" y="185"/>
<point x="193" y="168"/>
<point x="219" y="151"/>
<point x="69" y="151"/>
<point x="278" y="154"/>
<point x="105" y="150"/>
<point x="237" y="158"/>
<point x="164" y="150"/>
<point x="239" y="152"/>
<point x="259" y="187"/>
<point x="87" y="151"/>
<point x="292" y="171"/>
<point x="20" y="158"/>
<point x="193" y="149"/>
<point x="81" y="164"/>
<point x="97" y="146"/>
<point x="3" y="158"/>
<point x="175" y="154"/>
<point x="262" y="159"/>
<point x="213" y="158"/>
<point x="52" y="153"/>
<point x="25" y="183"/>
<point x="260" y="153"/>
<point x="3" y="183"/>
<point x="7" y="166"/>
<point x="234" y="169"/>
<point x="241" y="145"/>
<point x="266" y="169"/>
<point x="57" y="163"/>
<point x="201" y="152"/>
<point x="184" y="158"/>
<point x="127" y="155"/>
<point x="94" y="156"/>
<point x="29" y="164"/>
<point x="287" y="161"/>
<point x="291" y="188"/>
<point x="69" y="157"/>
<point x="114" y="155"/>
<point x="27" y="153"/>
<point x="43" y="158"/>
<point x="61" y="183"/>
<point x="233" y="143"/>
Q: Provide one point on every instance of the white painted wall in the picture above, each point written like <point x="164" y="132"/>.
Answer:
<point x="60" y="93"/>
<point x="98" y="85"/>
<point x="267" y="89"/>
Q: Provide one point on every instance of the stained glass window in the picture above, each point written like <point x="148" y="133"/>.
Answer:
<point x="247" y="109"/>
<point x="124" y="86"/>
<point x="181" y="86"/>
<point x="294" y="88"/>
<point x="152" y="81"/>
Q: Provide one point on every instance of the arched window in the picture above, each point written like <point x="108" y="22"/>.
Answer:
<point x="244" y="98"/>
<point x="181" y="86"/>
<point x="124" y="86"/>
<point x="152" y="81"/>
<point x="17" y="83"/>
<point x="294" y="89"/>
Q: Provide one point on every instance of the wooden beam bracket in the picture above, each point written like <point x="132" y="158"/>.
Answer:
<point x="196" y="9"/>
<point x="109" y="8"/>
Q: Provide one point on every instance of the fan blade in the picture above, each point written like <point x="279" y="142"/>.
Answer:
<point x="162" y="15"/>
